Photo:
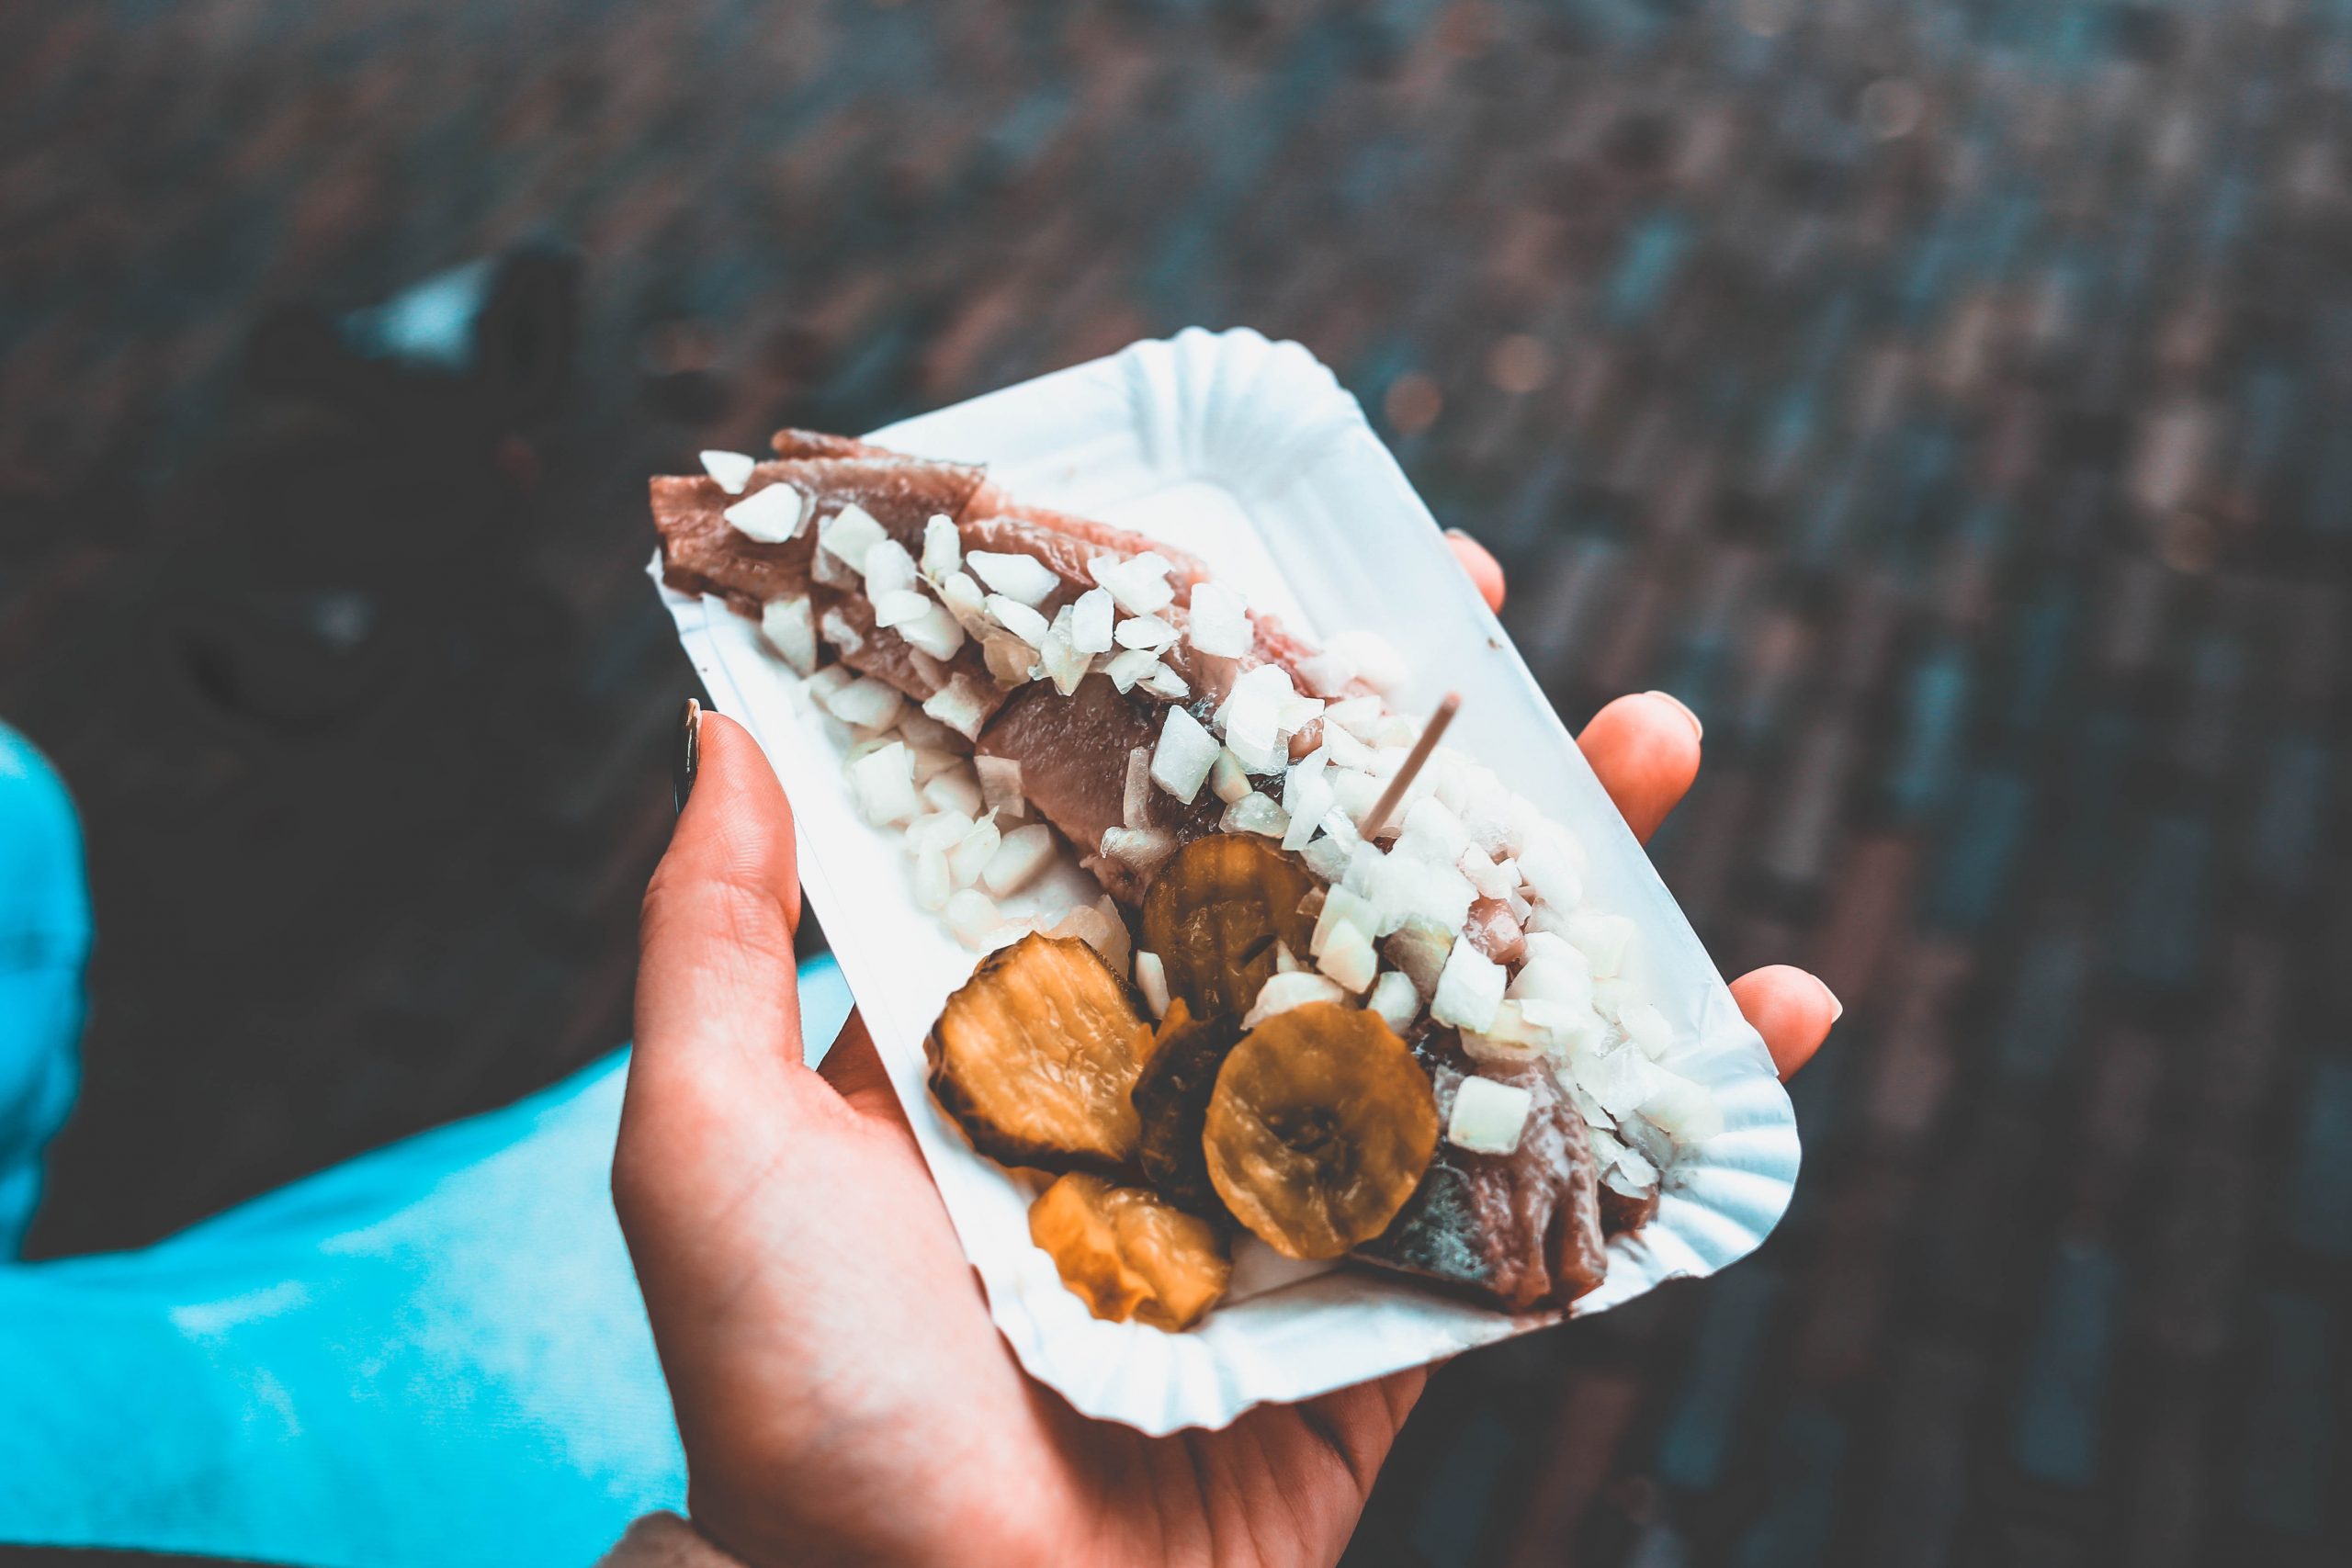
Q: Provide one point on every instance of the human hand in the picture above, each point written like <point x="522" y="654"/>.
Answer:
<point x="841" y="1392"/>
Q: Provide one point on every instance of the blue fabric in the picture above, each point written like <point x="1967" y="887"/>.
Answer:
<point x="44" y="942"/>
<point x="433" y="1355"/>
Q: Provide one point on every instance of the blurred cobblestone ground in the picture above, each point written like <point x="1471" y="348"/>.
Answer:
<point x="1950" y="400"/>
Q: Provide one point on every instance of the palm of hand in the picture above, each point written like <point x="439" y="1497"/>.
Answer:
<point x="841" y="1392"/>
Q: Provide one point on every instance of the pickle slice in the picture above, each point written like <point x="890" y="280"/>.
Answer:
<point x="1322" y="1126"/>
<point x="1172" y="1098"/>
<point x="1036" y="1054"/>
<point x="1214" y="913"/>
<point x="1129" y="1253"/>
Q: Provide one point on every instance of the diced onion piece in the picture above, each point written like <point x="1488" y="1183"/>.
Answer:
<point x="1619" y="1079"/>
<point x="1345" y="749"/>
<point x="917" y="730"/>
<point x="1151" y="979"/>
<point x="1134" y="797"/>
<point x="1018" y="619"/>
<point x="1355" y="793"/>
<point x="1554" y="972"/>
<point x="1469" y="990"/>
<point x="1420" y="951"/>
<point x="938" y="830"/>
<point x="1630" y="1175"/>
<point x="1101" y="929"/>
<point x="1255" y="813"/>
<point x="973" y="916"/>
<point x="1139" y="849"/>
<point x="1058" y="659"/>
<point x="1646" y="1027"/>
<point x="732" y="470"/>
<point x="884" y="781"/>
<point x="1010" y="661"/>
<point x="1090" y="628"/>
<point x="1360" y="717"/>
<point x="1025" y="853"/>
<point x="942" y="547"/>
<point x="1251" y="718"/>
<point x="1492" y="881"/>
<point x="1282" y="992"/>
<point x="849" y="534"/>
<point x="888" y="569"/>
<point x="1348" y="958"/>
<point x="830" y="572"/>
<point x="791" y="631"/>
<point x="1219" y="622"/>
<point x="1142" y="631"/>
<point x="1126" y="669"/>
<point x="1393" y="999"/>
<point x="932" y="882"/>
<point x="1489" y="1116"/>
<point x="1229" y="780"/>
<point x="956" y="791"/>
<point x="934" y="632"/>
<point x="1683" y="1110"/>
<point x="1432" y="833"/>
<point x="1162" y="681"/>
<point x="1185" y="756"/>
<point x="1327" y="673"/>
<point x="929" y="760"/>
<point x="1377" y="665"/>
<point x="1602" y="938"/>
<point x="970" y="858"/>
<point x="1000" y="784"/>
<point x="1326" y="857"/>
<point x="1406" y="889"/>
<point x="1339" y="907"/>
<point x="826" y="681"/>
<point x="1015" y="576"/>
<point x="960" y="593"/>
<point x="1139" y="583"/>
<point x="1285" y="961"/>
<point x="771" y="514"/>
<point x="900" y="605"/>
<point x="963" y="706"/>
<point x="1549" y="869"/>
<point x="867" y="703"/>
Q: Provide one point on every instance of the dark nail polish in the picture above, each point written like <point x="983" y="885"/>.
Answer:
<point x="683" y="760"/>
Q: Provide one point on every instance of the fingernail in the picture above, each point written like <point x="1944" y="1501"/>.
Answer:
<point x="1458" y="533"/>
<point x="1836" y="1007"/>
<point x="687" y="754"/>
<point x="1678" y="702"/>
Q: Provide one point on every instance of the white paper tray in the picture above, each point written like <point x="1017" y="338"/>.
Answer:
<point x="1249" y="453"/>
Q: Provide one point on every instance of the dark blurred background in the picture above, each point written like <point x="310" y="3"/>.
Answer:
<point x="1948" y="400"/>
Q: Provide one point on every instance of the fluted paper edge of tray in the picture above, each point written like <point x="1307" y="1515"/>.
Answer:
<point x="1250" y="452"/>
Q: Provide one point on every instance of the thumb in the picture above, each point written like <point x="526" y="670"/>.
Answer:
<point x="718" y="1045"/>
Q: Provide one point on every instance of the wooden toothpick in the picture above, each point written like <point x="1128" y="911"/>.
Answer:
<point x="1393" y="795"/>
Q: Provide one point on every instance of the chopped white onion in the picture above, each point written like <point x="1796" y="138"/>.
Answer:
<point x="1630" y="1175"/>
<point x="1229" y="780"/>
<point x="963" y="706"/>
<point x="791" y="631"/>
<point x="1551" y="871"/>
<point x="1162" y="681"/>
<point x="867" y="703"/>
<point x="1098" y="926"/>
<point x="1019" y="858"/>
<point x="1552" y="971"/>
<point x="848" y="534"/>
<point x="934" y="632"/>
<point x="1646" y="1027"/>
<point x="1126" y="669"/>
<point x="900" y="605"/>
<point x="1683" y="1110"/>
<point x="968" y="860"/>
<point x="732" y="470"/>
<point x="1345" y="749"/>
<point x="1139" y="849"/>
<point x="830" y="570"/>
<point x="936" y="830"/>
<point x="929" y="760"/>
<point x="955" y="791"/>
<point x="1393" y="999"/>
<point x="1492" y="881"/>
<point x="1285" y="961"/>
<point x="1090" y="629"/>
<point x="1139" y="584"/>
<point x="1377" y="665"/>
<point x="826" y="681"/>
<point x="1340" y="906"/>
<point x="1059" y="658"/>
<point x="1602" y="938"/>
<point x="1151" y="979"/>
<point x="1432" y="833"/>
<point x="960" y="592"/>
<point x="1025" y="577"/>
<point x="1420" y="951"/>
<point x="1255" y="813"/>
<point x="1219" y="622"/>
<point x="1326" y="857"/>
<point x="1469" y="990"/>
<point x="1185" y="756"/>
<point x="1489" y="1116"/>
<point x="1619" y="1079"/>
<point x="972" y="916"/>
<point x="1327" y="673"/>
<point x="771" y="514"/>
<point x="1348" y="958"/>
<point x="1143" y="631"/>
<point x="942" y="550"/>
<point x="933" y="883"/>
<point x="884" y="781"/>
<point x="889" y="569"/>
<point x="1001" y="784"/>
<point x="1282" y="992"/>
<point x="1018" y="619"/>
